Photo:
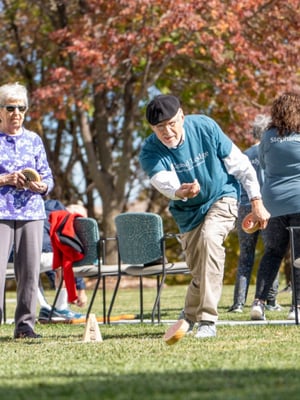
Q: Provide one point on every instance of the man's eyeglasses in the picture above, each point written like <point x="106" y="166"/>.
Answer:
<point x="171" y="124"/>
<point x="22" y="109"/>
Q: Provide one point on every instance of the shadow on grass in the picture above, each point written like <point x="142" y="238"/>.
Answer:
<point x="148" y="335"/>
<point x="203" y="384"/>
<point x="113" y="331"/>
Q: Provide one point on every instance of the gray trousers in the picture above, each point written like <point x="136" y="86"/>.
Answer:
<point x="205" y="257"/>
<point x="25" y="237"/>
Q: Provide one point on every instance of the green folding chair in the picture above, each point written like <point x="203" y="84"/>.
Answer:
<point x="141" y="245"/>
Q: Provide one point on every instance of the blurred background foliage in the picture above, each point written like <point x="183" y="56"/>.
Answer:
<point x="92" y="66"/>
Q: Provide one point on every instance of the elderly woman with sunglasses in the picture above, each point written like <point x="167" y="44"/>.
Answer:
<point x="22" y="210"/>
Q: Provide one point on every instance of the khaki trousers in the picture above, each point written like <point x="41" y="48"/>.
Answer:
<point x="205" y="257"/>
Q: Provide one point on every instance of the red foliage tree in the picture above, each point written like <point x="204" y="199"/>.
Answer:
<point x="91" y="66"/>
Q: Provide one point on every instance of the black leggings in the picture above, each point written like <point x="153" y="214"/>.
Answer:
<point x="276" y="245"/>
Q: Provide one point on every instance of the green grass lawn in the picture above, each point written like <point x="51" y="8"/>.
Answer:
<point x="133" y="362"/>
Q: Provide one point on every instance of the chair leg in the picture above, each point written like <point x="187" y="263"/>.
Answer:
<point x="158" y="303"/>
<point x="293" y="283"/>
<point x="93" y="297"/>
<point x="157" y="307"/>
<point x="104" y="298"/>
<point x="3" y="320"/>
<point x="113" y="299"/>
<point x="293" y="277"/>
<point x="56" y="297"/>
<point x="157" y="300"/>
<point x="141" y="300"/>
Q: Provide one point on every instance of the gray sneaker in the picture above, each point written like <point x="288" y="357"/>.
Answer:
<point x="206" y="331"/>
<point x="236" y="308"/>
<point x="276" y="307"/>
<point x="191" y="323"/>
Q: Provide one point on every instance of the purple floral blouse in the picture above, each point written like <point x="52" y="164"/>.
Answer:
<point x="25" y="150"/>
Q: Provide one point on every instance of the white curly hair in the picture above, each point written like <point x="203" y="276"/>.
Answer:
<point x="260" y="125"/>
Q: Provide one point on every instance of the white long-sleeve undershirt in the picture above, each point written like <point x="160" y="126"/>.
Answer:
<point x="236" y="164"/>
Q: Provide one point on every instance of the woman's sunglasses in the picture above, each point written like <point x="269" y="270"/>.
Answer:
<point x="22" y="109"/>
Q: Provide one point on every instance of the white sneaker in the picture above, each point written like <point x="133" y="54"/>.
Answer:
<point x="257" y="311"/>
<point x="297" y="263"/>
<point x="276" y="307"/>
<point x="292" y="314"/>
<point x="206" y="331"/>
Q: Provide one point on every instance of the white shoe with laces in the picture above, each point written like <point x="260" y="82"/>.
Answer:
<point x="206" y="331"/>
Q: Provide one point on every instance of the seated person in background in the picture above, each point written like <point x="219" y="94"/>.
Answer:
<point x="62" y="306"/>
<point x="80" y="287"/>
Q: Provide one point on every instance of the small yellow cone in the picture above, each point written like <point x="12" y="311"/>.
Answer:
<point x="92" y="331"/>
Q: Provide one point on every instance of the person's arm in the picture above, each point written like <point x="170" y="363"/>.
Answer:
<point x="167" y="183"/>
<point x="3" y="180"/>
<point x="239" y="165"/>
<point x="15" y="178"/>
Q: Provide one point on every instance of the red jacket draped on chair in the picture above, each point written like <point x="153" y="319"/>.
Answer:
<point x="67" y="247"/>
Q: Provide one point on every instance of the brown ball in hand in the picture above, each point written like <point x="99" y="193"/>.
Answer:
<point x="31" y="175"/>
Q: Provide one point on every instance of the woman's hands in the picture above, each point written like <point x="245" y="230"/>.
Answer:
<point x="20" y="181"/>
<point x="37" y="187"/>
